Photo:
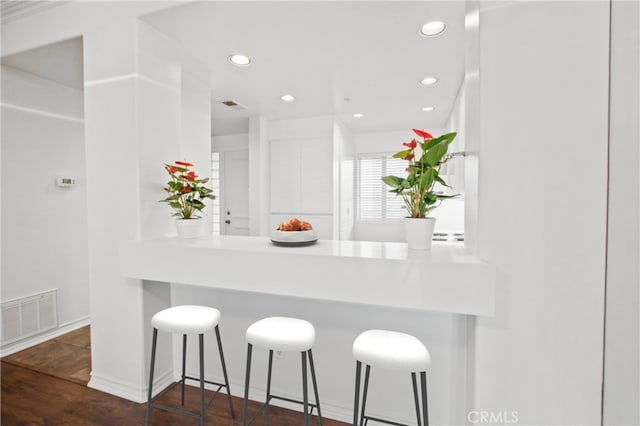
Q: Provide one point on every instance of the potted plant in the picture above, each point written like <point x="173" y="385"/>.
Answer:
<point x="417" y="189"/>
<point x="185" y="195"/>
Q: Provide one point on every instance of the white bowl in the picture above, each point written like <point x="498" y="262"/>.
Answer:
<point x="293" y="236"/>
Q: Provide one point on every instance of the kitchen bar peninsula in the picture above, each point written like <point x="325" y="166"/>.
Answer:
<point x="446" y="279"/>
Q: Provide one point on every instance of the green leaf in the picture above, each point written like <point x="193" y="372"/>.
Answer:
<point x="448" y="137"/>
<point x="407" y="184"/>
<point x="435" y="154"/>
<point x="426" y="180"/>
<point x="440" y="180"/>
<point x="430" y="198"/>
<point x="393" y="181"/>
<point x="402" y="154"/>
<point x="446" y="197"/>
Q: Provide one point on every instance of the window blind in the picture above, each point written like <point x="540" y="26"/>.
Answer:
<point x="374" y="201"/>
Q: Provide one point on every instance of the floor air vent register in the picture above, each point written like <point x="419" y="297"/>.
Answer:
<point x="29" y="316"/>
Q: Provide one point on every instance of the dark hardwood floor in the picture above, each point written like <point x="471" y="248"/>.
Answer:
<point x="46" y="385"/>
<point x="66" y="357"/>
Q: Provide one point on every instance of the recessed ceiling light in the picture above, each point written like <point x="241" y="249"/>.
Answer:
<point x="429" y="108"/>
<point x="428" y="81"/>
<point x="358" y="115"/>
<point x="433" y="28"/>
<point x="288" y="98"/>
<point x="240" y="60"/>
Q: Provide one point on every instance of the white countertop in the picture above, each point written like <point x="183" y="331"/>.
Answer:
<point x="445" y="279"/>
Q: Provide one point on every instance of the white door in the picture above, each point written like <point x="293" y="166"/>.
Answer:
<point x="234" y="182"/>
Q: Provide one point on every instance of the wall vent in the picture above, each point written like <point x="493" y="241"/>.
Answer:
<point x="234" y="105"/>
<point x="28" y="316"/>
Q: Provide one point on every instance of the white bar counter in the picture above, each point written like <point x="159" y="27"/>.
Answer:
<point x="445" y="279"/>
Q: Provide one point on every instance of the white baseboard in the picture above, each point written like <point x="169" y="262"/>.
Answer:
<point x="330" y="409"/>
<point x="51" y="334"/>
<point x="128" y="390"/>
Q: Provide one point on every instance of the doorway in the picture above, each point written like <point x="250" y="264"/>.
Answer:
<point x="234" y="191"/>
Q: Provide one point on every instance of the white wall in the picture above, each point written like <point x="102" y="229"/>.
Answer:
<point x="44" y="237"/>
<point x="622" y="377"/>
<point x="344" y="201"/>
<point x="139" y="114"/>
<point x="259" y="172"/>
<point x="229" y="142"/>
<point x="454" y="171"/>
<point x="542" y="208"/>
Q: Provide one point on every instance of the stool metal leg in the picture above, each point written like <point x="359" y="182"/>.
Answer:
<point x="153" y="361"/>
<point x="415" y="397"/>
<point x="201" y="338"/>
<point x="246" y="386"/>
<point x="305" y="397"/>
<point x="425" y="413"/>
<point x="364" y="393"/>
<point x="266" y="404"/>
<point x="224" y="372"/>
<point x="315" y="386"/>
<point x="184" y="363"/>
<point x="357" y="398"/>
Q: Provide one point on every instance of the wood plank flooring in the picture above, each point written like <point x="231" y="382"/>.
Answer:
<point x="46" y="385"/>
<point x="67" y="357"/>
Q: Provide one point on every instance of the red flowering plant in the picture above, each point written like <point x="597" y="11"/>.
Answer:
<point x="186" y="192"/>
<point x="417" y="189"/>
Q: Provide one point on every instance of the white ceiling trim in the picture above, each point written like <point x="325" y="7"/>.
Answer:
<point x="11" y="10"/>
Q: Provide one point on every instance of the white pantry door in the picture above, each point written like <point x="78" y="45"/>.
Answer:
<point x="235" y="189"/>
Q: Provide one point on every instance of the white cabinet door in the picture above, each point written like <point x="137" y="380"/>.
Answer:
<point x="301" y="176"/>
<point x="316" y="184"/>
<point x="285" y="176"/>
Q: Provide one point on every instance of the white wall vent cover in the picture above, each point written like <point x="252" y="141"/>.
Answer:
<point x="28" y="316"/>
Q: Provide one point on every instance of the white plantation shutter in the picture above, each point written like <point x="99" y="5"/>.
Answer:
<point x="370" y="187"/>
<point x="215" y="185"/>
<point x="374" y="201"/>
<point x="395" y="207"/>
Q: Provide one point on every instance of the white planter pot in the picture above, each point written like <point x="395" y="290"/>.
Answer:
<point x="419" y="232"/>
<point x="189" y="228"/>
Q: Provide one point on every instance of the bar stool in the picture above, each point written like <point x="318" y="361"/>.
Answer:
<point x="287" y="335"/>
<point x="187" y="319"/>
<point x="395" y="351"/>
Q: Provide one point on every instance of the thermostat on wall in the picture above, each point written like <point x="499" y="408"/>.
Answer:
<point x="65" y="182"/>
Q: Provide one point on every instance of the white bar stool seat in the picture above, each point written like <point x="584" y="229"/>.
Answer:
<point x="282" y="334"/>
<point x="187" y="319"/>
<point x="286" y="335"/>
<point x="395" y="351"/>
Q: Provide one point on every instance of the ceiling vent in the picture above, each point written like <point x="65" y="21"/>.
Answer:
<point x="234" y="105"/>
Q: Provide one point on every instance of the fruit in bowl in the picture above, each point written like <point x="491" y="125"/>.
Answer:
<point x="294" y="231"/>
<point x="294" y="224"/>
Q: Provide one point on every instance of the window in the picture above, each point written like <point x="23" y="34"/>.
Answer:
<point x="215" y="185"/>
<point x="374" y="201"/>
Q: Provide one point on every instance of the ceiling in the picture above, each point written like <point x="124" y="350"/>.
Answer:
<point x="336" y="58"/>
